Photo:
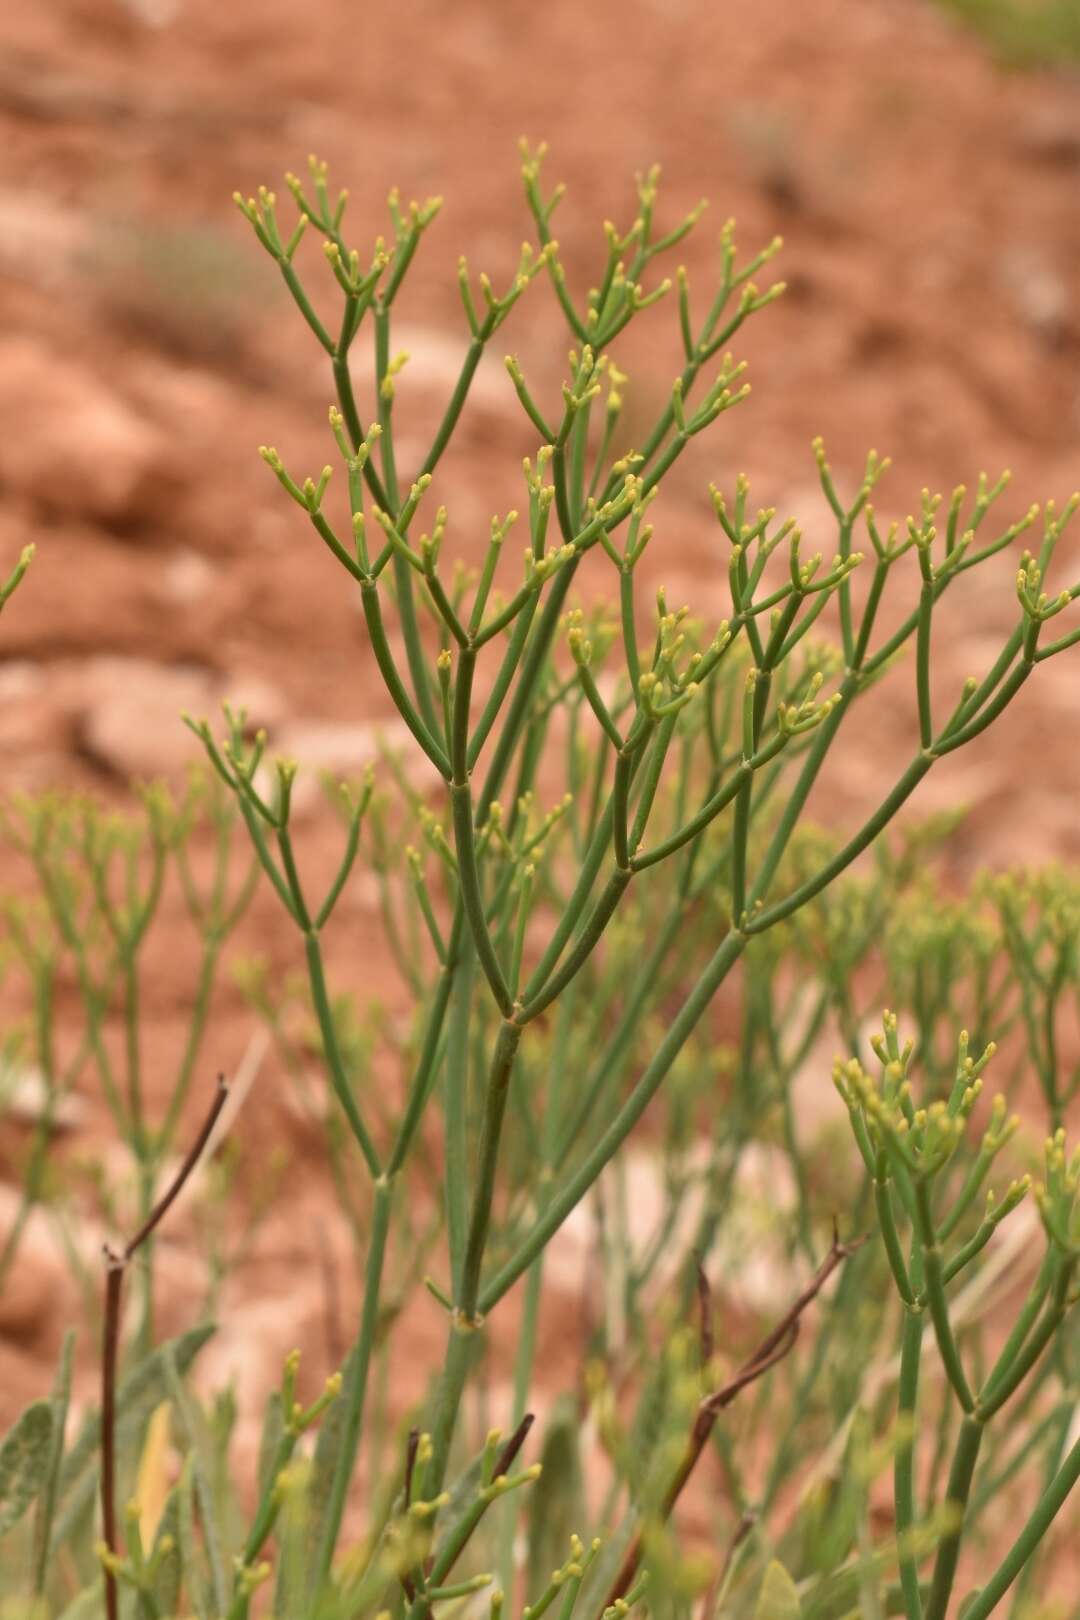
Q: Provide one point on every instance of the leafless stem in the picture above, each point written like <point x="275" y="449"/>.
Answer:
<point x="704" y="1292"/>
<point x="115" y="1266"/>
<point x="513" y="1446"/>
<point x="773" y="1348"/>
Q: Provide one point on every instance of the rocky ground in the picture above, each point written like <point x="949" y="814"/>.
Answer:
<point x="927" y="200"/>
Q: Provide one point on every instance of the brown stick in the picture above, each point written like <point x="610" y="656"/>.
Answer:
<point x="115" y="1266"/>
<point x="509" y="1452"/>
<point x="704" y="1292"/>
<point x="773" y="1348"/>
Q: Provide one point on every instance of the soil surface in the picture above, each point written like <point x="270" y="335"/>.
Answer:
<point x="932" y="251"/>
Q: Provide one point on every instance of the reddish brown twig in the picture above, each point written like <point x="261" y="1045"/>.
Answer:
<point x="704" y="1292"/>
<point x="115" y="1266"/>
<point x="773" y="1348"/>
<point x="505" y="1460"/>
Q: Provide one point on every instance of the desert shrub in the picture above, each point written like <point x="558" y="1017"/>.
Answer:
<point x="615" y="839"/>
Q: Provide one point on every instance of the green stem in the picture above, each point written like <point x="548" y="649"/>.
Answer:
<point x="956" y="1496"/>
<point x="420" y="1088"/>
<point x="456" y="1116"/>
<point x="460" y="1347"/>
<point x="1021" y="1327"/>
<point x="935" y="1294"/>
<point x="569" y="1196"/>
<point x="196" y="1030"/>
<point x="1049" y="1506"/>
<point x="904" y="1465"/>
<point x="903" y="790"/>
<point x="425" y="731"/>
<point x="586" y="943"/>
<point x="890" y="1236"/>
<point x="338" y="1078"/>
<point x="498" y="1087"/>
<point x="356" y="1388"/>
<point x="1004" y="1384"/>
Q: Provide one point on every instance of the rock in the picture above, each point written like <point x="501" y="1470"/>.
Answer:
<point x="1049" y="132"/>
<point x="1037" y="290"/>
<point x="131" y="723"/>
<point x="129" y="720"/>
<point x="68" y="442"/>
<point x="40" y="236"/>
<point x="26" y="1097"/>
<point x="434" y="366"/>
<point x="344" y="751"/>
<point x="39" y="1290"/>
<point x="185" y="579"/>
<point x="22" y="1380"/>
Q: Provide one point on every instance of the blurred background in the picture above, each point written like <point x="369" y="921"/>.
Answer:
<point x="923" y="173"/>
<point x="921" y="160"/>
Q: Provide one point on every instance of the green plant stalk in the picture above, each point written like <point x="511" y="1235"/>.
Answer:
<point x="406" y="599"/>
<point x="461" y="1339"/>
<point x="904" y="1465"/>
<point x="902" y="791"/>
<point x="935" y="1295"/>
<point x="472" y="896"/>
<point x="526" y="728"/>
<point x="460" y="1348"/>
<point x="566" y="1198"/>
<point x="356" y="1387"/>
<point x="1049" y="1506"/>
<point x="425" y="734"/>
<point x="1005" y="1383"/>
<point x="956" y="1495"/>
<point x="456" y="1115"/>
<point x="338" y="1078"/>
<point x="590" y="865"/>
<point x="527" y="1333"/>
<point x="467" y="1314"/>
<point x="1060" y="1418"/>
<point x="585" y="944"/>
<point x="501" y="684"/>
<point x="193" y="1044"/>
<point x="523" y="1373"/>
<point x="1023" y="1325"/>
<point x="1053" y="1462"/>
<point x="498" y="1086"/>
<point x="130" y="981"/>
<point x="619" y="1041"/>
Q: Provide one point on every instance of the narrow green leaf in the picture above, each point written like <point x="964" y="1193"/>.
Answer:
<point x="87" y="1605"/>
<point x="46" y="1507"/>
<point x="138" y="1394"/>
<point x="195" y="1431"/>
<point x="25" y="1457"/>
<point x="166" y="1590"/>
<point x="195" y="1582"/>
<point x="272" y="1430"/>
<point x="778" y="1598"/>
<point x="555" y="1504"/>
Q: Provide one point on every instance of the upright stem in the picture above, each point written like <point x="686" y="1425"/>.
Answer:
<point x="904" y="1467"/>
<point x="956" y="1498"/>
<point x="1050" y="1504"/>
<point x="569" y="1196"/>
<point x="502" y="1064"/>
<point x="356" y="1389"/>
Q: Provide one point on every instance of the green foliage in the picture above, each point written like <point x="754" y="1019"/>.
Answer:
<point x="616" y="838"/>
<point x="25" y="1452"/>
<point x="1023" y="33"/>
